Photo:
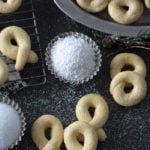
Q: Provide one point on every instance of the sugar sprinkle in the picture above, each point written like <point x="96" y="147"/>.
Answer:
<point x="10" y="126"/>
<point x="73" y="58"/>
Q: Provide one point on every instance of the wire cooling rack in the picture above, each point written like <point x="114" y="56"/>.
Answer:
<point x="25" y="18"/>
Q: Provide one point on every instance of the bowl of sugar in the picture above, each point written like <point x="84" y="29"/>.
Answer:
<point x="73" y="57"/>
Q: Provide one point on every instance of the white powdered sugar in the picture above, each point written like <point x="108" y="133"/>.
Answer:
<point x="10" y="126"/>
<point x="73" y="58"/>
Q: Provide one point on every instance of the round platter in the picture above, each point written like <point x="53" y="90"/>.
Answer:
<point x="102" y="22"/>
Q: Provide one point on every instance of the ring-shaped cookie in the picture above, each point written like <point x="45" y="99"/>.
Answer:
<point x="125" y="59"/>
<point x="147" y="3"/>
<point x="100" y="114"/>
<point x="77" y="128"/>
<point x="101" y="110"/>
<point x="134" y="96"/>
<point x="93" y="6"/>
<point x="125" y="11"/>
<point x="22" y="51"/>
<point x="3" y="72"/>
<point x="38" y="133"/>
<point x="9" y="6"/>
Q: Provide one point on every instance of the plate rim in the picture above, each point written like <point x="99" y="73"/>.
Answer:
<point x="77" y="14"/>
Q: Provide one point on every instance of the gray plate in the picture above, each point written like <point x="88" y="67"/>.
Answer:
<point x="102" y="21"/>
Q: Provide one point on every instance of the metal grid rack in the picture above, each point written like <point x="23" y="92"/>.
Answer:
<point x="25" y="18"/>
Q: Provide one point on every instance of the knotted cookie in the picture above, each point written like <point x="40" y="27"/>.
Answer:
<point x="56" y="136"/>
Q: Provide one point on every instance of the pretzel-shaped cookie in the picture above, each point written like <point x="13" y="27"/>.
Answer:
<point x="38" y="133"/>
<point x="77" y="128"/>
<point x="100" y="115"/>
<point x="3" y="72"/>
<point x="93" y="6"/>
<point x="22" y="51"/>
<point x="124" y="79"/>
<point x="9" y="6"/>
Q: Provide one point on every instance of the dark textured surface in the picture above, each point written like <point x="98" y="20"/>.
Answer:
<point x="127" y="128"/>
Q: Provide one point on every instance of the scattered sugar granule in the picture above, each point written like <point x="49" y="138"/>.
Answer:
<point x="73" y="58"/>
<point x="10" y="126"/>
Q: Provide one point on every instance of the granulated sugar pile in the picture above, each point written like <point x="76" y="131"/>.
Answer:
<point x="10" y="126"/>
<point x="73" y="58"/>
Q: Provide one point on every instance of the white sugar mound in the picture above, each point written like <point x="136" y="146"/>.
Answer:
<point x="10" y="126"/>
<point x="73" y="58"/>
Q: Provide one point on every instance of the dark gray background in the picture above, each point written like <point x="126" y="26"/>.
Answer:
<point x="127" y="128"/>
